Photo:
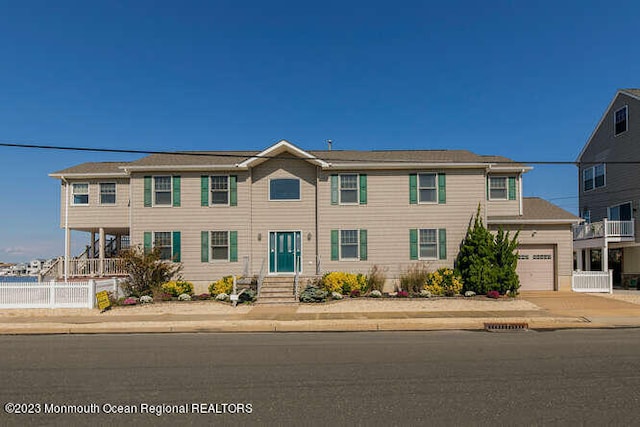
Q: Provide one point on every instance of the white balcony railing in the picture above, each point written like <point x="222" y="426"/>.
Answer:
<point x="604" y="228"/>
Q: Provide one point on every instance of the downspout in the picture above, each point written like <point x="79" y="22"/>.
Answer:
<point x="66" y="229"/>
<point x="521" y="195"/>
<point x="130" y="208"/>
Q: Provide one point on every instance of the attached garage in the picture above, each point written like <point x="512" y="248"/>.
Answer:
<point x="536" y="267"/>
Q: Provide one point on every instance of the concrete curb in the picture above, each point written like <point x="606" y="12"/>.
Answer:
<point x="332" y="325"/>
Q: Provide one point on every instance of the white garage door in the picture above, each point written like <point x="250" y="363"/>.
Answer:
<point x="536" y="268"/>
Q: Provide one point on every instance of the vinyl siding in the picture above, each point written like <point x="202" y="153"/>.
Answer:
<point x="622" y="182"/>
<point x="190" y="218"/>
<point x="94" y="215"/>
<point x="504" y="207"/>
<point x="388" y="216"/>
<point x="283" y="215"/>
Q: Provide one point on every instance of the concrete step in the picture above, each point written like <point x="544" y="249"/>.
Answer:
<point x="277" y="300"/>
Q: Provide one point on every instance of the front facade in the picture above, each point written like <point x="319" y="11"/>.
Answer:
<point x="609" y="192"/>
<point x="285" y="210"/>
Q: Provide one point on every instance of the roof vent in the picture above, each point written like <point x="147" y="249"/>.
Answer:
<point x="329" y="144"/>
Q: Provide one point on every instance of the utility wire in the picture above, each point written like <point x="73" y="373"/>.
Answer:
<point x="244" y="154"/>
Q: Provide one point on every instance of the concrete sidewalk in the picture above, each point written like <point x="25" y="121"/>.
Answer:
<point x="540" y="310"/>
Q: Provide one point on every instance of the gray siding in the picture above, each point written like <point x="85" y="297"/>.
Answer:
<point x="621" y="181"/>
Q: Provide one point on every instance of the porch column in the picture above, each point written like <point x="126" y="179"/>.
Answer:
<point x="92" y="248"/>
<point x="67" y="252"/>
<point x="587" y="266"/>
<point x="605" y="257"/>
<point x="579" y="262"/>
<point x="118" y="244"/>
<point x="102" y="248"/>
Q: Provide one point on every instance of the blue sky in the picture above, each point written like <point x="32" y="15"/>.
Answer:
<point x="526" y="80"/>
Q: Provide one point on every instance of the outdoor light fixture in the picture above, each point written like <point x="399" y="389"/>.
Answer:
<point x="259" y="236"/>
<point x="309" y="236"/>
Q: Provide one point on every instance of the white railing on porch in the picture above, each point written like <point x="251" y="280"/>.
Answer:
<point x="604" y="228"/>
<point x="592" y="281"/>
<point x="95" y="267"/>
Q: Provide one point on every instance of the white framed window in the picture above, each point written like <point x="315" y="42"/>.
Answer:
<point x="284" y="189"/>
<point x="621" y="212"/>
<point x="594" y="177"/>
<point x="620" y="121"/>
<point x="427" y="188"/>
<point x="219" y="245"/>
<point x="586" y="215"/>
<point x="220" y="190"/>
<point x="428" y="243"/>
<point x="80" y="194"/>
<point x="163" y="241"/>
<point x="107" y="193"/>
<point x="162" y="191"/>
<point x="349" y="189"/>
<point x="349" y="244"/>
<point x="498" y="188"/>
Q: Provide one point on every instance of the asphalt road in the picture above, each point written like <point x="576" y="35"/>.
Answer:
<point x="570" y="377"/>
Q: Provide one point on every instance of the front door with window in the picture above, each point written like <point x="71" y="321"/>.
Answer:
<point x="284" y="251"/>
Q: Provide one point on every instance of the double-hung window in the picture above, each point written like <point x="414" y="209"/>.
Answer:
<point x="80" y="194"/>
<point x="220" y="190"/>
<point x="498" y="188"/>
<point x="428" y="243"/>
<point x="349" y="244"/>
<point x="620" y="119"/>
<point x="427" y="188"/>
<point x="594" y="177"/>
<point x="107" y="193"/>
<point x="349" y="189"/>
<point x="162" y="240"/>
<point x="219" y="245"/>
<point x="162" y="190"/>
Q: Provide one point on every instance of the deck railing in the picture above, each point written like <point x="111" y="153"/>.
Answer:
<point x="604" y="228"/>
<point x="592" y="281"/>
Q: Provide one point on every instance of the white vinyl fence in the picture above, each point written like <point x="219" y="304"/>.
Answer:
<point x="592" y="281"/>
<point x="54" y="294"/>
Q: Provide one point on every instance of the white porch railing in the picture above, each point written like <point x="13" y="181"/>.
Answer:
<point x="604" y="228"/>
<point x="95" y="267"/>
<point x="48" y="295"/>
<point x="592" y="281"/>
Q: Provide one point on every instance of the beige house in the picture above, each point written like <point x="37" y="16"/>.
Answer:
<point x="286" y="211"/>
<point x="609" y="192"/>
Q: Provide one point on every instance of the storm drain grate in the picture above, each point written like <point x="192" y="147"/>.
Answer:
<point x="505" y="327"/>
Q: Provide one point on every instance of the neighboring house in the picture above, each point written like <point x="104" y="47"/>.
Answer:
<point x="609" y="191"/>
<point x="285" y="209"/>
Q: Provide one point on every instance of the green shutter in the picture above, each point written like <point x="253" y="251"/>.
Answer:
<point x="233" y="190"/>
<point x="363" y="189"/>
<point x="334" y="189"/>
<point x="442" y="188"/>
<point x="204" y="246"/>
<point x="413" y="189"/>
<point x="147" y="242"/>
<point x="413" y="243"/>
<point x="335" y="248"/>
<point x="512" y="188"/>
<point x="363" y="245"/>
<point x="176" y="191"/>
<point x="442" y="246"/>
<point x="147" y="191"/>
<point x="233" y="246"/>
<point x="204" y="191"/>
<point x="176" y="246"/>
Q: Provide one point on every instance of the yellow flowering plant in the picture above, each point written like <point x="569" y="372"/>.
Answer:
<point x="344" y="283"/>
<point x="443" y="282"/>
<point x="179" y="287"/>
<point x="222" y="286"/>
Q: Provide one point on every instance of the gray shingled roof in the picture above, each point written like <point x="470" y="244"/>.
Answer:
<point x="223" y="158"/>
<point x="635" y="92"/>
<point x="537" y="209"/>
<point x="93" y="168"/>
